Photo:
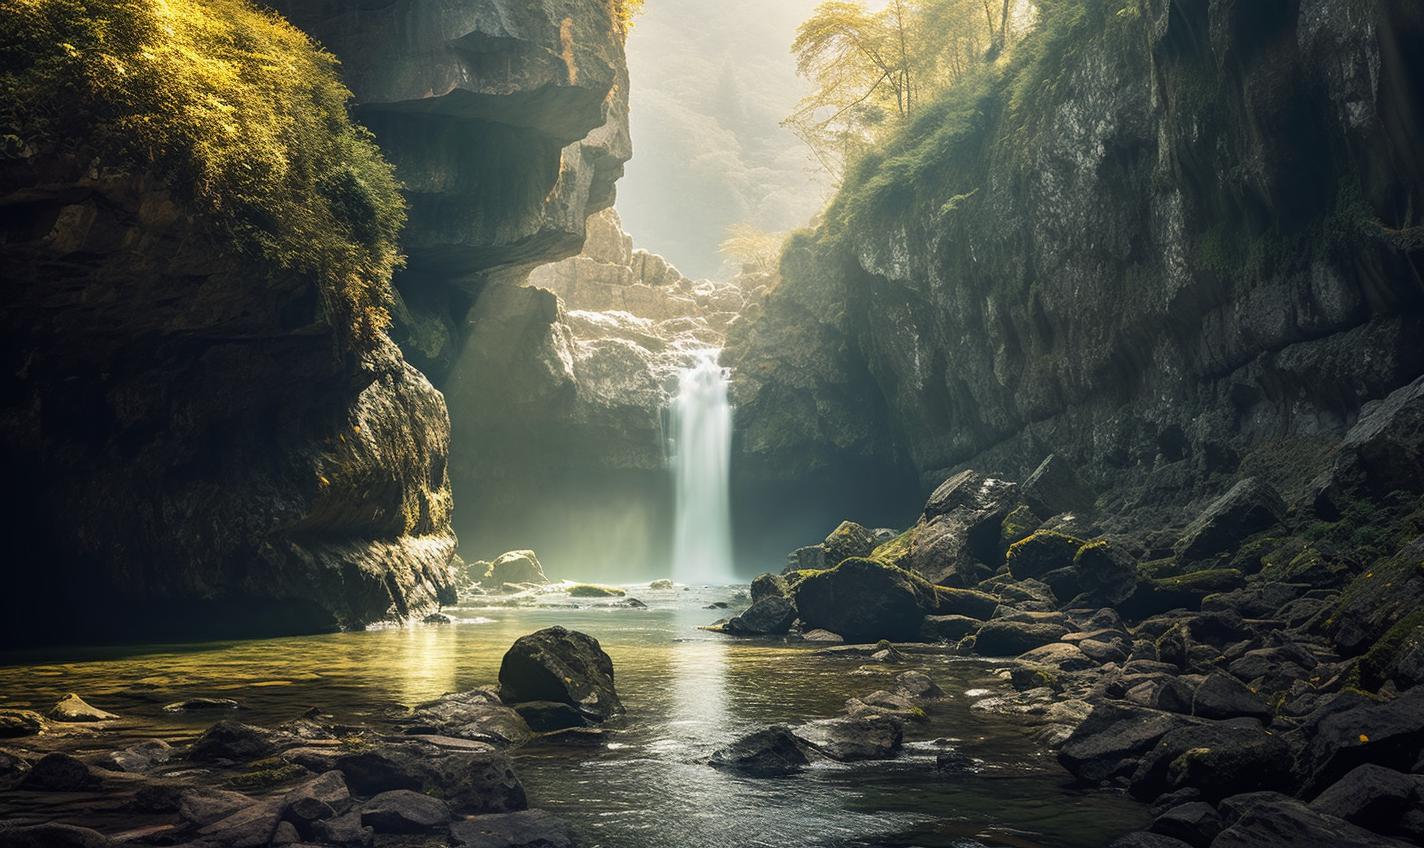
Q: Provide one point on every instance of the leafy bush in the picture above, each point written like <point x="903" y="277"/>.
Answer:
<point x="242" y="112"/>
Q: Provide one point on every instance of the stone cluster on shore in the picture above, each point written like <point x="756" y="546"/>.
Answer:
<point x="437" y="773"/>
<point x="1254" y="674"/>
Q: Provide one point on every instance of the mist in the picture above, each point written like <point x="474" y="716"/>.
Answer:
<point x="711" y="83"/>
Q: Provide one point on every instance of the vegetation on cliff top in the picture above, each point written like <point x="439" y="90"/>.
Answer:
<point x="241" y="111"/>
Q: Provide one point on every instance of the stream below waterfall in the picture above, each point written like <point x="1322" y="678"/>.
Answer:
<point x="687" y="692"/>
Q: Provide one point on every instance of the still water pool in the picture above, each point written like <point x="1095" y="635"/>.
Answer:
<point x="687" y="692"/>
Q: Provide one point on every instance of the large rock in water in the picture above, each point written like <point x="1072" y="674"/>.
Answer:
<point x="563" y="666"/>
<point x="864" y="600"/>
<point x="768" y="616"/>
<point x="770" y="752"/>
<point x="514" y="567"/>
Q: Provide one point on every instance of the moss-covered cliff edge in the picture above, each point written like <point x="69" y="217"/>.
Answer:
<point x="1174" y="240"/>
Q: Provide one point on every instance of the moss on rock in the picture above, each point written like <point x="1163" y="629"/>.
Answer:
<point x="240" y="112"/>
<point x="1042" y="552"/>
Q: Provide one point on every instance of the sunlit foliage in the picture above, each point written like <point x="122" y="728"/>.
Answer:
<point x="751" y="249"/>
<point x="874" y="67"/>
<point x="243" y="115"/>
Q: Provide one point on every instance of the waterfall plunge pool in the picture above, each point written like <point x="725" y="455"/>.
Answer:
<point x="687" y="692"/>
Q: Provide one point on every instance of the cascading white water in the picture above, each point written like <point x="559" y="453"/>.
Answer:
<point x="701" y="460"/>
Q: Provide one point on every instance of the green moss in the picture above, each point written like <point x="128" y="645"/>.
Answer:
<point x="1205" y="581"/>
<point x="242" y="114"/>
<point x="896" y="551"/>
<point x="268" y="773"/>
<point x="795" y="577"/>
<point x="1017" y="526"/>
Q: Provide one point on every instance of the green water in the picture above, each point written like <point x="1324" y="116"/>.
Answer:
<point x="687" y="692"/>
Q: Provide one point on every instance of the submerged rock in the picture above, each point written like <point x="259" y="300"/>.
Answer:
<point x="478" y="715"/>
<point x="870" y="736"/>
<point x="59" y="772"/>
<point x="531" y="828"/>
<point x="564" y="666"/>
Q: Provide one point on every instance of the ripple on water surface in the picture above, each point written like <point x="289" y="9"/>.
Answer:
<point x="687" y="692"/>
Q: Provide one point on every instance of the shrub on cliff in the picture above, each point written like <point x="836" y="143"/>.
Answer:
<point x="241" y="112"/>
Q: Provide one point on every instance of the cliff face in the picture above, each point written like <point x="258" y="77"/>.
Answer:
<point x="1169" y="234"/>
<point x="507" y="121"/>
<point x="199" y="439"/>
<point x="199" y="443"/>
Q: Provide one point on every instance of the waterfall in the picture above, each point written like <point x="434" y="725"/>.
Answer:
<point x="701" y="459"/>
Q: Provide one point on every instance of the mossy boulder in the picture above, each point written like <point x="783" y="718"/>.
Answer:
<point x="1042" y="552"/>
<point x="1186" y="591"/>
<point x="1377" y="600"/>
<point x="865" y="600"/>
<point x="1107" y="574"/>
<point x="769" y="586"/>
<point x="1250" y="507"/>
<point x="848" y="540"/>
<point x="1397" y="656"/>
<point x="594" y="590"/>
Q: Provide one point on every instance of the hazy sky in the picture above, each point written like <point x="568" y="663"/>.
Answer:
<point x="712" y="80"/>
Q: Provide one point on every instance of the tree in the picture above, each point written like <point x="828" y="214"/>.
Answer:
<point x="872" y="69"/>
<point x="753" y="250"/>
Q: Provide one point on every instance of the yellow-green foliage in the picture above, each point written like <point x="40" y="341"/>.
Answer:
<point x="240" y="111"/>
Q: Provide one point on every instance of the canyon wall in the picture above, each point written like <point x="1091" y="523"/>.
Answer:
<point x="200" y="442"/>
<point x="1174" y="241"/>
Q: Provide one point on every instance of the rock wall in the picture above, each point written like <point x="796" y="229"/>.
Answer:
<point x="188" y="452"/>
<point x="559" y="402"/>
<point x="1175" y="241"/>
<point x="507" y="120"/>
<point x="191" y="446"/>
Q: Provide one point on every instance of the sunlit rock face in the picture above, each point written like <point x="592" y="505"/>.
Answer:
<point x="186" y="451"/>
<point x="559" y="403"/>
<point x="507" y="121"/>
<point x="1200" y="262"/>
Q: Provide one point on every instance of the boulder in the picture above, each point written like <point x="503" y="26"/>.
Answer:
<point x="917" y="684"/>
<point x="768" y="616"/>
<point x="826" y="636"/>
<point x="525" y="829"/>
<point x="560" y="665"/>
<point x="196" y="705"/>
<point x="864" y="600"/>
<point x="1054" y="488"/>
<point x="1001" y="638"/>
<point x="1216" y="759"/>
<point x="1249" y="507"/>
<point x="72" y="708"/>
<point x="769" y="586"/>
<point x="345" y="830"/>
<point x="594" y="590"/>
<point x="661" y="585"/>
<point x="404" y="811"/>
<point x="1379" y="602"/>
<point x="848" y="540"/>
<point x="16" y="723"/>
<point x="471" y="781"/>
<point x="957" y="537"/>
<point x="235" y="741"/>
<point x="770" y="752"/>
<point x="548" y="716"/>
<point x="203" y="806"/>
<point x="1107" y="574"/>
<point x="140" y="757"/>
<point x="250" y="827"/>
<point x="966" y="602"/>
<point x="1371" y="796"/>
<point x="949" y="628"/>
<point x="1381" y="454"/>
<point x="478" y="715"/>
<point x="319" y="799"/>
<point x="866" y="737"/>
<point x="52" y="836"/>
<point x="1195" y="823"/>
<point x="514" y="567"/>
<point x="1112" y="738"/>
<point x="1060" y="656"/>
<point x="59" y="772"/>
<point x="1276" y="822"/>
<point x="1222" y="696"/>
<point x="1042" y="552"/>
<point x="1355" y="733"/>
